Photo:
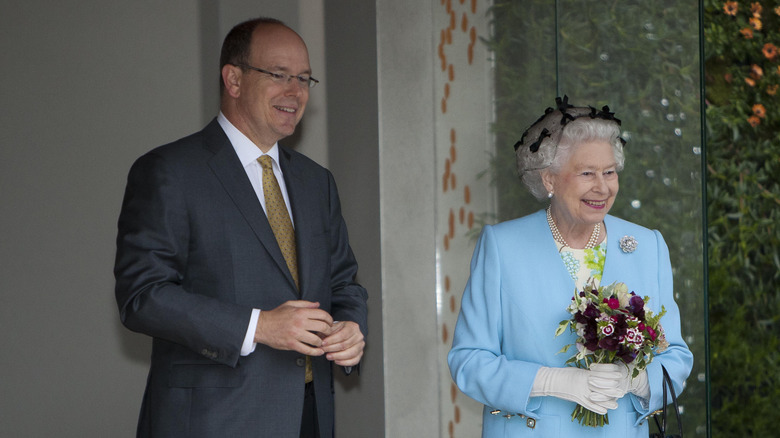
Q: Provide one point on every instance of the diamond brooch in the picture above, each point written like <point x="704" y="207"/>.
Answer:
<point x="628" y="244"/>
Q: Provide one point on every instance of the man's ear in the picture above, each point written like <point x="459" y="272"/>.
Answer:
<point x="231" y="77"/>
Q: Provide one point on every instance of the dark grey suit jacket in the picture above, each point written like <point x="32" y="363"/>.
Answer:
<point x="195" y="254"/>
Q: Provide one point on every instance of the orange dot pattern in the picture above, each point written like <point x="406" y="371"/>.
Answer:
<point x="446" y="40"/>
<point x="458" y="35"/>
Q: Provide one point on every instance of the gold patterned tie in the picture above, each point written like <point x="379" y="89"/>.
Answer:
<point x="276" y="210"/>
<point x="279" y="218"/>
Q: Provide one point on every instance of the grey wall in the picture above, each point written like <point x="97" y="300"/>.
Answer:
<point x="88" y="86"/>
<point x="408" y="180"/>
<point x="350" y="37"/>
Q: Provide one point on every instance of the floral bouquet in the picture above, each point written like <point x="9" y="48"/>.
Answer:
<point x="612" y="325"/>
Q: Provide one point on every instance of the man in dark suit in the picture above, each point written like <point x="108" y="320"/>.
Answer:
<point x="247" y="316"/>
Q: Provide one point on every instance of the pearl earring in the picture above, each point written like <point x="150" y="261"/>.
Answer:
<point x="549" y="195"/>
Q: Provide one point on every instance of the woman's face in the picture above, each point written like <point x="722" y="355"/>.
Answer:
<point x="585" y="187"/>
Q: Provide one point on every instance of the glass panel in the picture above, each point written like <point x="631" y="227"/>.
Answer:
<point x="642" y="58"/>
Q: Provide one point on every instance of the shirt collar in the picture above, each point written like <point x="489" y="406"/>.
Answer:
<point x="247" y="151"/>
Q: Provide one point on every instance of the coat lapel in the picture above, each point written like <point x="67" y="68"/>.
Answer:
<point x="544" y="240"/>
<point x="228" y="170"/>
<point x="614" y="265"/>
<point x="301" y="205"/>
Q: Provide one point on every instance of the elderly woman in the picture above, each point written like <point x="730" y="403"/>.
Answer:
<point x="524" y="273"/>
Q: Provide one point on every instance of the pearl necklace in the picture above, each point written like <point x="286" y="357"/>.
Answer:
<point x="594" y="236"/>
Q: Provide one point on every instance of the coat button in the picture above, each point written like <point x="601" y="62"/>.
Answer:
<point x="300" y="362"/>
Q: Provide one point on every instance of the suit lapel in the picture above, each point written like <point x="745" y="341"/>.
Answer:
<point x="301" y="205"/>
<point x="228" y="170"/>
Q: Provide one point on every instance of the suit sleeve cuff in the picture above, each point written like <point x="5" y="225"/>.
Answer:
<point x="248" y="347"/>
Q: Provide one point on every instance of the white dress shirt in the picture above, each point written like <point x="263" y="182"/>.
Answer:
<point x="248" y="153"/>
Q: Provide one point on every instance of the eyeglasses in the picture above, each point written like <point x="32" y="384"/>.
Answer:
<point x="303" y="81"/>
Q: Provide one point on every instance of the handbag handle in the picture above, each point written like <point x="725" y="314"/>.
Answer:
<point x="662" y="426"/>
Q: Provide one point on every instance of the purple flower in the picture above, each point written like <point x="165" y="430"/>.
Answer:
<point x="592" y="311"/>
<point x="620" y="324"/>
<point x="610" y="343"/>
<point x="591" y="336"/>
<point x="626" y="354"/>
<point x="636" y="305"/>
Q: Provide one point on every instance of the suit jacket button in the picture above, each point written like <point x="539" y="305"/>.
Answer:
<point x="300" y="362"/>
<point x="208" y="353"/>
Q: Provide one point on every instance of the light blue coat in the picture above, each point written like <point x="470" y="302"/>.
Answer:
<point x="517" y="294"/>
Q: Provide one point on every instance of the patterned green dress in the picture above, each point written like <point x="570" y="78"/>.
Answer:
<point x="584" y="264"/>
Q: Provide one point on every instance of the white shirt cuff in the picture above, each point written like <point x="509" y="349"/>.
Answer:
<point x="248" y="347"/>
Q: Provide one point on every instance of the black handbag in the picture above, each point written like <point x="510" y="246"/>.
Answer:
<point x="661" y="424"/>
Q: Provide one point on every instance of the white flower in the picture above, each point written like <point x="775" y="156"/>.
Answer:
<point x="582" y="351"/>
<point x="634" y="336"/>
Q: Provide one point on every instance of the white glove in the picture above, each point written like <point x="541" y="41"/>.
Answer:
<point x="614" y="380"/>
<point x="570" y="383"/>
